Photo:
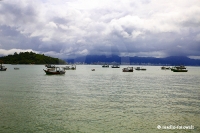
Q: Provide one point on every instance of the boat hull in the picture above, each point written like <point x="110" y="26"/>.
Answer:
<point x="4" y="69"/>
<point x="179" y="70"/>
<point x="127" y="70"/>
<point x="54" y="73"/>
<point x="140" y="69"/>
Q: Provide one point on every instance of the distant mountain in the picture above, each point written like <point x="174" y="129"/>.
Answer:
<point x="30" y="58"/>
<point x="101" y="59"/>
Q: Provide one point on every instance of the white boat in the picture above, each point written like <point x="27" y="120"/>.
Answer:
<point x="105" y="65"/>
<point x="72" y="67"/>
<point x="179" y="69"/>
<point x="115" y="66"/>
<point x="128" y="69"/>
<point x="54" y="71"/>
<point x="50" y="66"/>
<point x="2" y="68"/>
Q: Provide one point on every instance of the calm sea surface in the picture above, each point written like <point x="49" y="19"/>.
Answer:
<point x="106" y="100"/>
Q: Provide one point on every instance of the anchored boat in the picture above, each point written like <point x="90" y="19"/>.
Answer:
<point x="54" y="71"/>
<point x="106" y="65"/>
<point x="115" y="66"/>
<point x="165" y="68"/>
<point x="128" y="69"/>
<point x="72" y="67"/>
<point x="179" y="69"/>
<point x="2" y="68"/>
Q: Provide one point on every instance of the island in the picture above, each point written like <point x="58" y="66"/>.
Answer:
<point x="30" y="58"/>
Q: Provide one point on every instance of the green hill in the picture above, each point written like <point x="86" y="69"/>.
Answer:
<point x="30" y="58"/>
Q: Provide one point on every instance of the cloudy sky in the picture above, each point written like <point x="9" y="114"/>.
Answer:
<point x="71" y="28"/>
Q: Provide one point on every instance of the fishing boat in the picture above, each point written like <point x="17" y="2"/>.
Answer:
<point x="106" y="65"/>
<point x="16" y="68"/>
<point x="140" y="68"/>
<point x="128" y="69"/>
<point x="50" y="66"/>
<point x="115" y="66"/>
<point x="2" y="68"/>
<point x="54" y="71"/>
<point x="179" y="69"/>
<point x="92" y="69"/>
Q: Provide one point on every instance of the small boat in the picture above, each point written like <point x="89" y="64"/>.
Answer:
<point x="128" y="69"/>
<point x="16" y="68"/>
<point x="66" y="68"/>
<point x="2" y="68"/>
<point x="92" y="69"/>
<point x="140" y="68"/>
<point x="165" y="68"/>
<point x="179" y="69"/>
<point x="73" y="67"/>
<point x="54" y="71"/>
<point x="50" y="66"/>
<point x="106" y="65"/>
<point x="115" y="66"/>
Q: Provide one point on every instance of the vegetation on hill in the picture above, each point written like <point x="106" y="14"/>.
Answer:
<point x="30" y="58"/>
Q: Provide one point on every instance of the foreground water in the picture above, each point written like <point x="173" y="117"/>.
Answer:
<point x="105" y="100"/>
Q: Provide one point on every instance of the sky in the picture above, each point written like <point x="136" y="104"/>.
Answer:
<point x="72" y="28"/>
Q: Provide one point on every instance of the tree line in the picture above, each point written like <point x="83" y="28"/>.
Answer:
<point x="30" y="58"/>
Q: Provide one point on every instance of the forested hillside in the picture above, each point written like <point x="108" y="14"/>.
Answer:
<point x="30" y="58"/>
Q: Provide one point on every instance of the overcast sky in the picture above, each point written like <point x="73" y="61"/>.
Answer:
<point x="71" y="28"/>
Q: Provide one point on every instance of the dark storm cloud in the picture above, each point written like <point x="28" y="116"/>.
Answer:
<point x="76" y="28"/>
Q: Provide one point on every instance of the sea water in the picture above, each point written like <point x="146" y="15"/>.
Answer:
<point x="102" y="101"/>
